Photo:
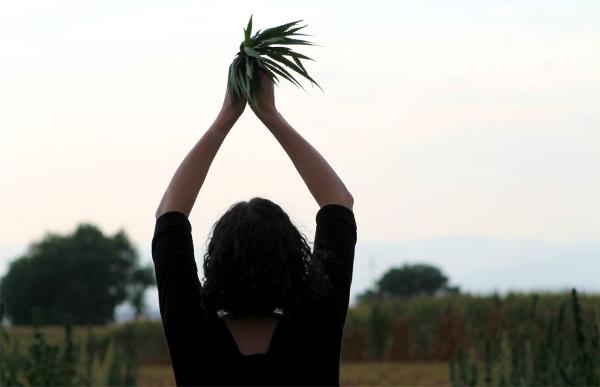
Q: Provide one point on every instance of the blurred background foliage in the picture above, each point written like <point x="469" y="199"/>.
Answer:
<point x="84" y="274"/>
<point x="61" y="295"/>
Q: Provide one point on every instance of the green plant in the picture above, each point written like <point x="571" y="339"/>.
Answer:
<point x="566" y="356"/>
<point x="47" y="364"/>
<point x="264" y="50"/>
<point x="10" y="360"/>
<point x="377" y="332"/>
<point x="110" y="359"/>
<point x="463" y="369"/>
<point x="583" y="369"/>
<point x="124" y="369"/>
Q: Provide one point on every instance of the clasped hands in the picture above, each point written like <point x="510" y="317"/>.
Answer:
<point x="233" y="105"/>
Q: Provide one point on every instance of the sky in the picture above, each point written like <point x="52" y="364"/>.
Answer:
<point x="467" y="132"/>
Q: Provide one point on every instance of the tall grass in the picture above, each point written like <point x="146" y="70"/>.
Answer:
<point x="107" y="359"/>
<point x="519" y="339"/>
<point x="562" y="357"/>
<point x="433" y="328"/>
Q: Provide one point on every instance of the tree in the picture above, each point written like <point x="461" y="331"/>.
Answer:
<point x="84" y="275"/>
<point x="410" y="280"/>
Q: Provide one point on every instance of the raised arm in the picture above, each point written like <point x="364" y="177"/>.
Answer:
<point x="185" y="184"/>
<point x="320" y="178"/>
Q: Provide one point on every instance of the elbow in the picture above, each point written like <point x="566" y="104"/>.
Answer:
<point x="347" y="200"/>
<point x="341" y="199"/>
<point x="350" y="200"/>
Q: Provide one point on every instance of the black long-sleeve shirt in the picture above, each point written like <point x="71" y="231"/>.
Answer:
<point x="203" y="351"/>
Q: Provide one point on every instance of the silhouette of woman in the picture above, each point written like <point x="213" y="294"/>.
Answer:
<point x="270" y="311"/>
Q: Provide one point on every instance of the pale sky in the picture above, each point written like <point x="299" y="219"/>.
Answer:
<point x="444" y="119"/>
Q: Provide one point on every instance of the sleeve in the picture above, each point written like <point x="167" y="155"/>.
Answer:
<point x="335" y="240"/>
<point x="179" y="290"/>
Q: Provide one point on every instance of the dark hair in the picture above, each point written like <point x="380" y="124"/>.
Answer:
<point x="258" y="261"/>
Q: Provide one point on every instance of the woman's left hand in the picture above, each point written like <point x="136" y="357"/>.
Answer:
<point x="232" y="104"/>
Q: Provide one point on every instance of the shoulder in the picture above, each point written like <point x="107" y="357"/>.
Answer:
<point x="336" y="211"/>
<point x="337" y="221"/>
<point x="172" y="220"/>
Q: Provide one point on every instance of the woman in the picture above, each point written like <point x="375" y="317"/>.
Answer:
<point x="270" y="312"/>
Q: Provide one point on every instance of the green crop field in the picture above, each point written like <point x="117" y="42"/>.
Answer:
<point x="156" y="371"/>
<point x="521" y="339"/>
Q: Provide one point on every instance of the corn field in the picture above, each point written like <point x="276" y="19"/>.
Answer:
<point x="516" y="340"/>
<point x="560" y="358"/>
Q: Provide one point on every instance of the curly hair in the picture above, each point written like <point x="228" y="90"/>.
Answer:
<point x="257" y="261"/>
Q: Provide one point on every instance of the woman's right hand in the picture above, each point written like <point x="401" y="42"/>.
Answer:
<point x="265" y="95"/>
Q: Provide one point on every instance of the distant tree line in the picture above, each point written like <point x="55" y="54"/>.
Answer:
<point x="82" y="276"/>
<point x="410" y="280"/>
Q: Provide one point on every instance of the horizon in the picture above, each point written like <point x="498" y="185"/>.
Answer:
<point x="373" y="259"/>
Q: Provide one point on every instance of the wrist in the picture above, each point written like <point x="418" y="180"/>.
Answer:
<point x="269" y="116"/>
<point x="228" y="112"/>
<point x="224" y="122"/>
<point x="228" y="116"/>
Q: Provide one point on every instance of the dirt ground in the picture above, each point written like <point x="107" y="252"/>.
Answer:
<point x="351" y="374"/>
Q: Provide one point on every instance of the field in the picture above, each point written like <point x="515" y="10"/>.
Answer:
<point x="154" y="371"/>
<point x="351" y="374"/>
<point x="522" y="339"/>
